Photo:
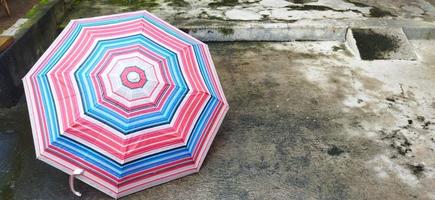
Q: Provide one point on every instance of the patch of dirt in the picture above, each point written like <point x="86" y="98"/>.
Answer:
<point x="18" y="9"/>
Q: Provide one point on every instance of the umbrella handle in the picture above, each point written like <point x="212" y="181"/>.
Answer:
<point x="76" y="172"/>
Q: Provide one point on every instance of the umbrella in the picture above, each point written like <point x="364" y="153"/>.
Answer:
<point x="124" y="102"/>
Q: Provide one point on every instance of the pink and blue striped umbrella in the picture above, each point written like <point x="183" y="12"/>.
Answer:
<point x="124" y="102"/>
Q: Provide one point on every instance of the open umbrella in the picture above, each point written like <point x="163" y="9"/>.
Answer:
<point x="124" y="102"/>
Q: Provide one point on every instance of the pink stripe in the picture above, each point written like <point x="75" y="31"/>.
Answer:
<point x="109" y="141"/>
<point x="185" y="65"/>
<point x="133" y="48"/>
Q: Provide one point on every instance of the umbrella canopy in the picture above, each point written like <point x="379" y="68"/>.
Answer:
<point x="125" y="102"/>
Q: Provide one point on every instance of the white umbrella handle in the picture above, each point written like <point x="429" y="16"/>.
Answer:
<point x="76" y="172"/>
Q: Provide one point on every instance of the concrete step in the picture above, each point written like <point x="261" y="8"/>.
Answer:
<point x="5" y="42"/>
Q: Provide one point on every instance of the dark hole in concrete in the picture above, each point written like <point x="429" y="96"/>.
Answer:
<point x="373" y="46"/>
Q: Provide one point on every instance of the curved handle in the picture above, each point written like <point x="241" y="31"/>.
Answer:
<point x="77" y="172"/>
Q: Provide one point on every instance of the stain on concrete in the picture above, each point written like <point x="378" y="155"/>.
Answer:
<point x="303" y="1"/>
<point x="177" y="3"/>
<point x="335" y="151"/>
<point x="226" y="31"/>
<point x="220" y="3"/>
<point x="316" y="8"/>
<point x="417" y="169"/>
<point x="377" y="12"/>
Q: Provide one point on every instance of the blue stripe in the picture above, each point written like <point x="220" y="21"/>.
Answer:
<point x="114" y="119"/>
<point x="100" y="160"/>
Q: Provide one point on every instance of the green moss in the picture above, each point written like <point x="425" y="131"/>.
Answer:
<point x="177" y="3"/>
<point x="31" y="12"/>
<point x="37" y="9"/>
<point x="221" y="3"/>
<point x="44" y="2"/>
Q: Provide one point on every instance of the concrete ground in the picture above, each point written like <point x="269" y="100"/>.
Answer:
<point x="263" y="10"/>
<point x="307" y="121"/>
<point x="275" y="20"/>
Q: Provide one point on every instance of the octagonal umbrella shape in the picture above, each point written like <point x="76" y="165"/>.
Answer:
<point x="124" y="102"/>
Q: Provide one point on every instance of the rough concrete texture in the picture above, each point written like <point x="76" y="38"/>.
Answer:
<point x="265" y="10"/>
<point x="307" y="121"/>
<point x="32" y="36"/>
<point x="275" y="20"/>
<point x="13" y="30"/>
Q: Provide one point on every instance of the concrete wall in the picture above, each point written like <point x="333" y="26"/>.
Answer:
<point x="30" y="42"/>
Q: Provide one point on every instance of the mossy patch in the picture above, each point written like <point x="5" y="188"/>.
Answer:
<point x="37" y="9"/>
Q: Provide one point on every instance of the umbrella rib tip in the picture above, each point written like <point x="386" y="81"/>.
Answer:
<point x="76" y="172"/>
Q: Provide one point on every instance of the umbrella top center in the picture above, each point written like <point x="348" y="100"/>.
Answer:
<point x="133" y="77"/>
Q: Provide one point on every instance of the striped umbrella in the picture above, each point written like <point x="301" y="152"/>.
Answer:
<point x="124" y="102"/>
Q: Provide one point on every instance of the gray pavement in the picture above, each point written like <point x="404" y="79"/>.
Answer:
<point x="308" y="120"/>
<point x="275" y="20"/>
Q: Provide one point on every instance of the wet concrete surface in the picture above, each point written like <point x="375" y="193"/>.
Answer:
<point x="261" y="10"/>
<point x="307" y="121"/>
